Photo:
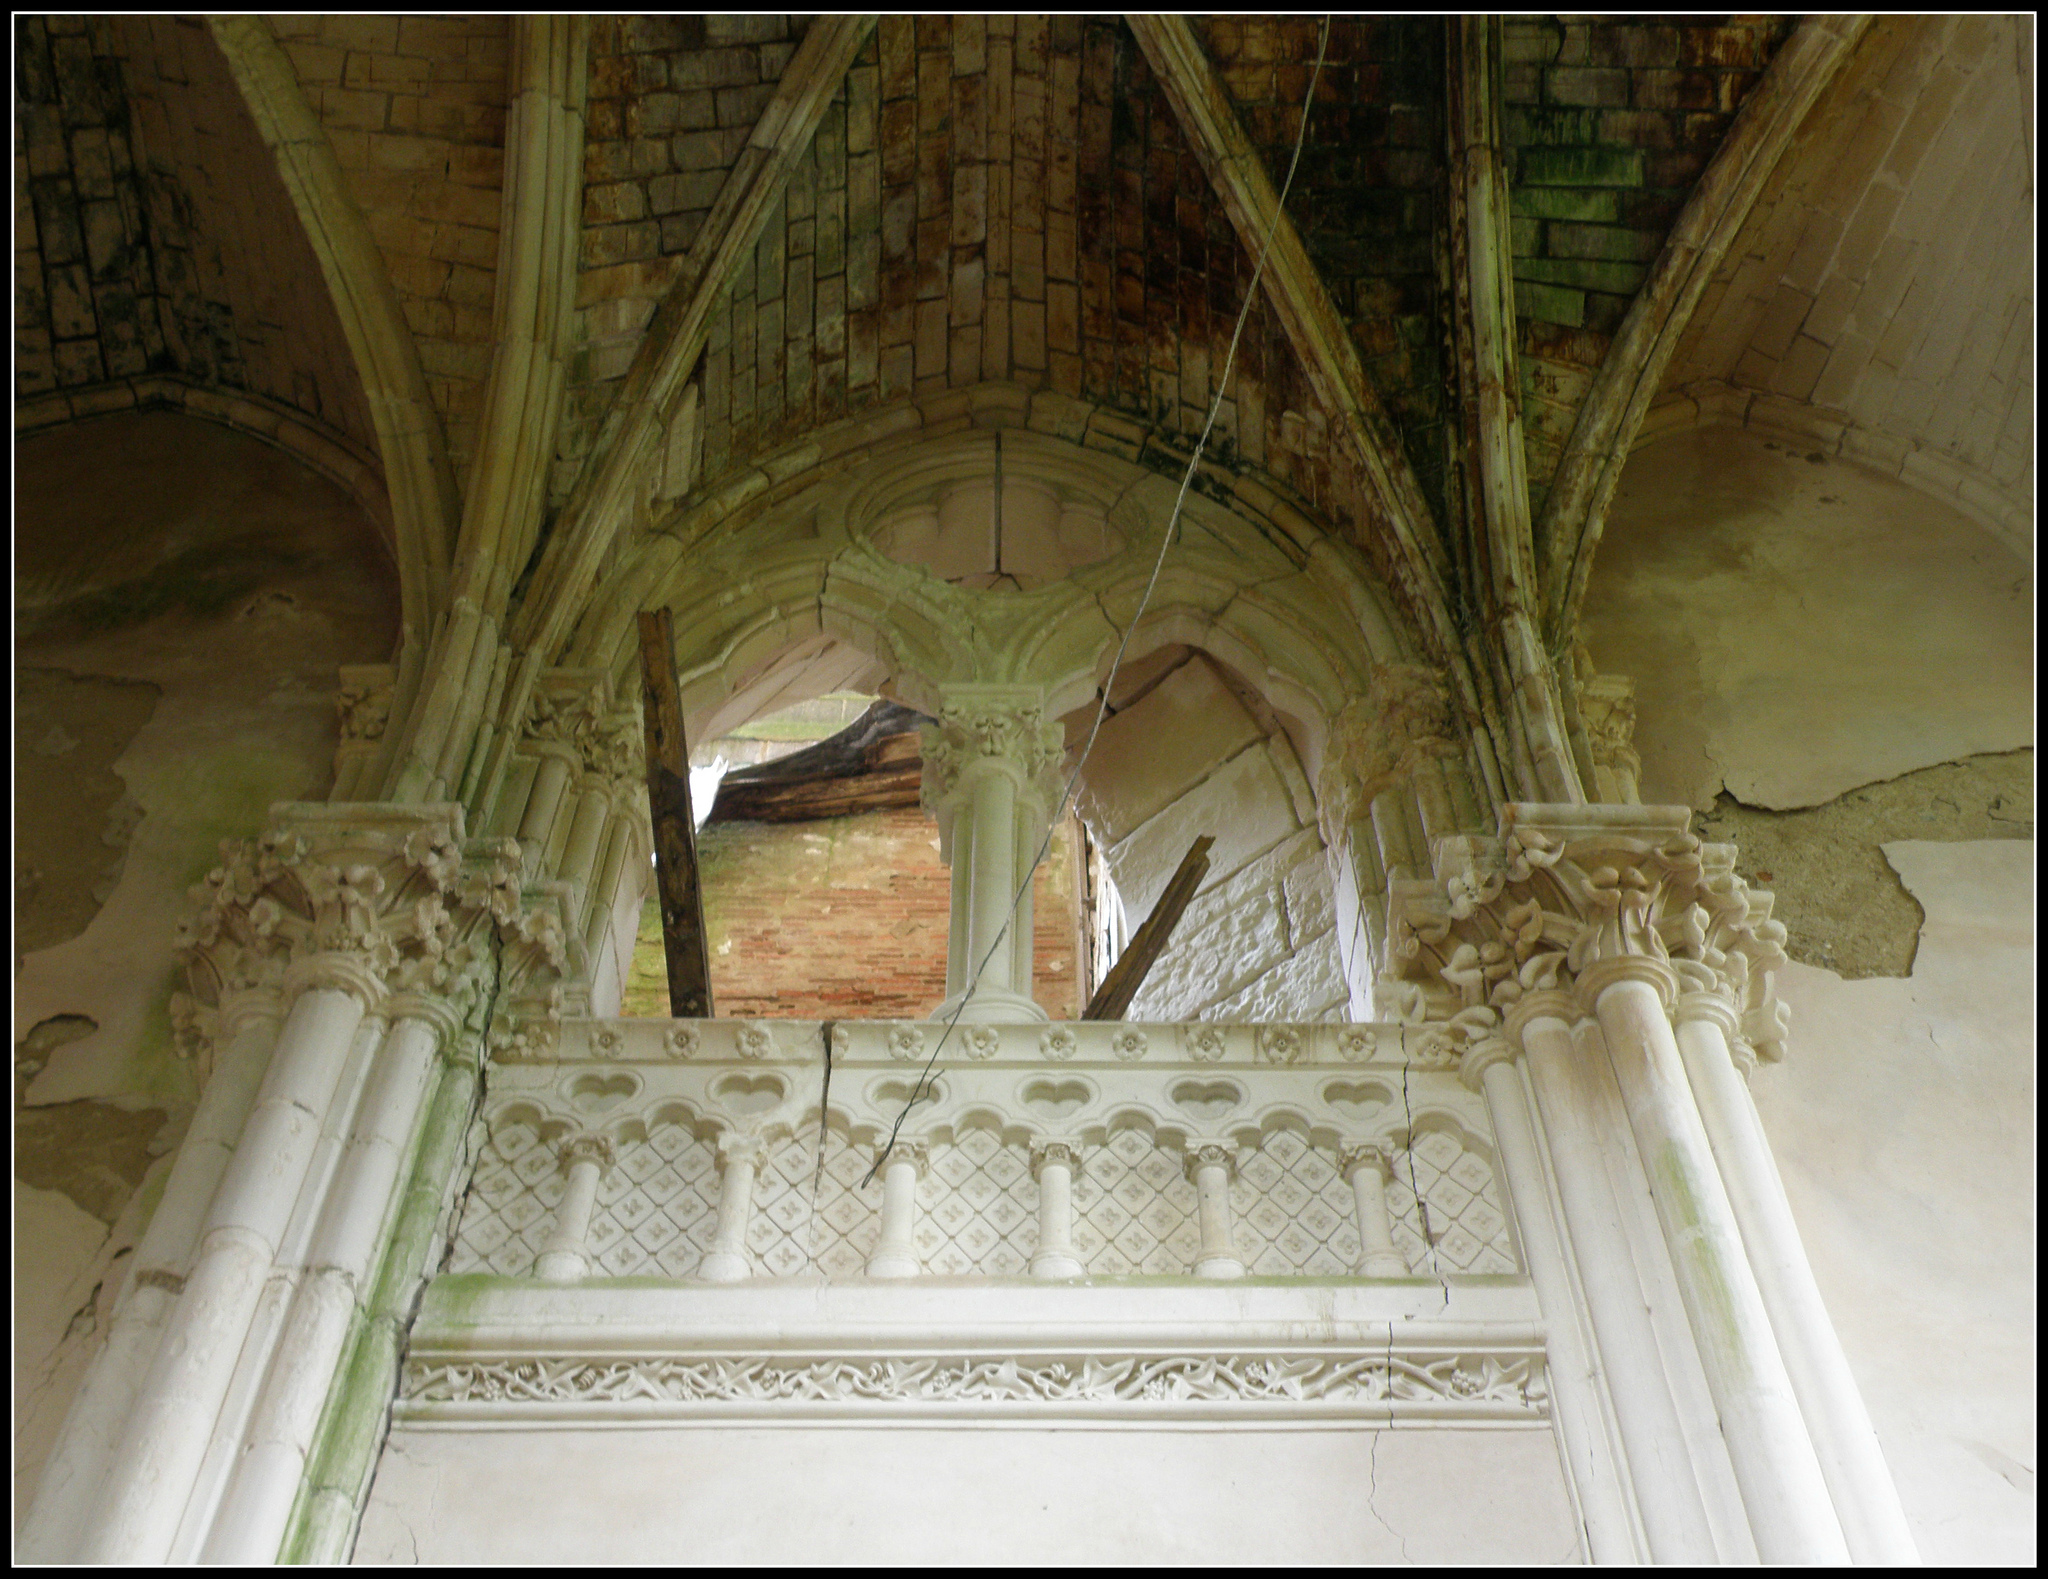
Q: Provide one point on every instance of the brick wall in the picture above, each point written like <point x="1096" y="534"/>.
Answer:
<point x="1041" y="221"/>
<point x="415" y="109"/>
<point x="1609" y="122"/>
<point x="672" y="101"/>
<point x="153" y="233"/>
<point x="845" y="918"/>
<point x="1369" y="188"/>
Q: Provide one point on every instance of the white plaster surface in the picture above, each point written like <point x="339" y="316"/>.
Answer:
<point x="1903" y="1124"/>
<point x="245" y="718"/>
<point x="1796" y="629"/>
<point x="857" y="1495"/>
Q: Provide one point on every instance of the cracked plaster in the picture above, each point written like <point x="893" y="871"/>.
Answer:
<point x="158" y="558"/>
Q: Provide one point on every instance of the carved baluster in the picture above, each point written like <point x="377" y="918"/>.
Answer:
<point x="726" y="1261"/>
<point x="896" y="1254"/>
<point x="1211" y="1167"/>
<point x="565" y="1259"/>
<point x="1369" y="1168"/>
<point x="1054" y="1162"/>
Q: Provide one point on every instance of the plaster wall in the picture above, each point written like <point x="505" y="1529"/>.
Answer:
<point x="184" y="595"/>
<point x="1800" y="633"/>
<point x="823" y="1496"/>
<point x="1797" y="626"/>
<point x="1188" y="757"/>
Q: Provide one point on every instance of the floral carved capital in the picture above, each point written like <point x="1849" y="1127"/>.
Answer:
<point x="1565" y="888"/>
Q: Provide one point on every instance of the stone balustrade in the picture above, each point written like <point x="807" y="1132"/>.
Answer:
<point x="690" y="1150"/>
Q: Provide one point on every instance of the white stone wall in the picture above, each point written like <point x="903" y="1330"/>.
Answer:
<point x="836" y="1495"/>
<point x="1796" y="630"/>
<point x="1185" y="758"/>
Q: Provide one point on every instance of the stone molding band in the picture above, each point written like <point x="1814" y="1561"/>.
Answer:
<point x="1505" y="1385"/>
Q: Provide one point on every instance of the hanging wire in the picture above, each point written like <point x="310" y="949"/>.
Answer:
<point x="1166" y="537"/>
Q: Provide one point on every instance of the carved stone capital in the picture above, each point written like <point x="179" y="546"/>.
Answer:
<point x="914" y="1152"/>
<point x="1601" y="974"/>
<point x="1481" y="1056"/>
<point x="1713" y="1009"/>
<point x="1209" y="1154"/>
<point x="1374" y="1155"/>
<point x="991" y="729"/>
<point x="1567" y="895"/>
<point x="588" y="1148"/>
<point x="1061" y="1153"/>
<point x="364" y="698"/>
<point x="1549" y="1003"/>
<point x="736" y="1146"/>
<point x="382" y="901"/>
<point x="1378" y="739"/>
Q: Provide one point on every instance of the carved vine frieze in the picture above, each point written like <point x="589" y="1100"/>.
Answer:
<point x="1382" y="1383"/>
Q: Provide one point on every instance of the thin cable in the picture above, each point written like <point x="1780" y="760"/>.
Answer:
<point x="1158" y="564"/>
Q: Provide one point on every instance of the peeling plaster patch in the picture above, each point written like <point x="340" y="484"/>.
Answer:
<point x="1843" y="906"/>
<point x="71" y="808"/>
<point x="95" y="1153"/>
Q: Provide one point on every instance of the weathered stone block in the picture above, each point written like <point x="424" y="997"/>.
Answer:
<point x="1244" y="804"/>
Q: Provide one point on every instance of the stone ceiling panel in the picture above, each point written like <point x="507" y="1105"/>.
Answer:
<point x="1885" y="276"/>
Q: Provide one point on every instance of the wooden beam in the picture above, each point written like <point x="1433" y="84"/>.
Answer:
<point x="1209" y="120"/>
<point x="683" y="941"/>
<point x="874" y="764"/>
<point x="1128" y="974"/>
<point x="1575" y="513"/>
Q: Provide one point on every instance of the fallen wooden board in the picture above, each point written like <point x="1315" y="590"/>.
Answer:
<point x="874" y="764"/>
<point x="1128" y="974"/>
<point x="683" y="942"/>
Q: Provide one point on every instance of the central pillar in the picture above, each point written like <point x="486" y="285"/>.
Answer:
<point x="991" y="781"/>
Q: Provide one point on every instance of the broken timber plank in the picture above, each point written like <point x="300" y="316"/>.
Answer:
<point x="1128" y="974"/>
<point x="874" y="764"/>
<point x="683" y="942"/>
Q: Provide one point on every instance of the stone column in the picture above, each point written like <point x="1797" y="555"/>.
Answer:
<point x="1210" y="1166"/>
<point x="1790" y="1511"/>
<point x="1369" y="1168"/>
<point x="152" y="1471"/>
<point x="1053" y="1163"/>
<point x="564" y="1259"/>
<point x="1667" y="1490"/>
<point x="253" y="1514"/>
<point x="1865" y="1497"/>
<point x="247" y="1031"/>
<point x="991" y="781"/>
<point x="726" y="1260"/>
<point x="1597" y="1480"/>
<point x="896" y="1254"/>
